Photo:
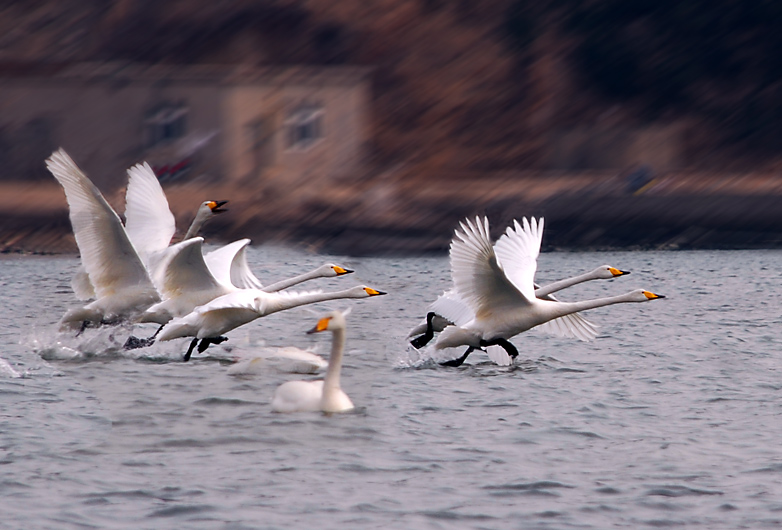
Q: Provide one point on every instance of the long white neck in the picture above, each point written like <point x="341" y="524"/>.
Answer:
<point x="284" y="284"/>
<point x="331" y="381"/>
<point x="282" y="302"/>
<point x="561" y="309"/>
<point x="198" y="222"/>
<point x="563" y="284"/>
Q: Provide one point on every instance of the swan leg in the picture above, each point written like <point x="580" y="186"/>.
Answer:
<point x="422" y="340"/>
<point x="134" y="342"/>
<point x="460" y="360"/>
<point x="190" y="349"/>
<point x="205" y="343"/>
<point x="504" y="344"/>
<point x="84" y="326"/>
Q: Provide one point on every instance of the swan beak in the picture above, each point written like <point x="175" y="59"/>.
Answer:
<point x="372" y="292"/>
<point x="652" y="296"/>
<point x="617" y="272"/>
<point x="322" y="325"/>
<point x="216" y="206"/>
<point x="340" y="271"/>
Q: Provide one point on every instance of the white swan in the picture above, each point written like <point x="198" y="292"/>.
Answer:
<point x="575" y="323"/>
<point x="149" y="224"/>
<point x="287" y="359"/>
<point x="496" y="282"/>
<point x="229" y="265"/>
<point x="325" y="395"/>
<point x="186" y="281"/>
<point x="121" y="283"/>
<point x="225" y="313"/>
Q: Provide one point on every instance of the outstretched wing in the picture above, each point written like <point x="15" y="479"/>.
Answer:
<point x="478" y="278"/>
<point x="185" y="269"/>
<point x="108" y="256"/>
<point x="148" y="219"/>
<point x="229" y="265"/>
<point x="517" y="252"/>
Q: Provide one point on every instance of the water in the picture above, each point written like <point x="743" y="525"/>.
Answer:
<point x="671" y="418"/>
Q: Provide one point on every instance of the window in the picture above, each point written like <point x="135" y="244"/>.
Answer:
<point x="165" y="124"/>
<point x="304" y="126"/>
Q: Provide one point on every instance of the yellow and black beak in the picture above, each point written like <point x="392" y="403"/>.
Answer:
<point x="617" y="272"/>
<point x="652" y="296"/>
<point x="322" y="325"/>
<point x="373" y="292"/>
<point x="340" y="271"/>
<point x="216" y="206"/>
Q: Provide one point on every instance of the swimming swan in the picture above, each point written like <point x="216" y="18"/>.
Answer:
<point x="287" y="359"/>
<point x="572" y="325"/>
<point x="325" y="395"/>
<point x="209" y="322"/>
<point x="496" y="283"/>
<point x="122" y="286"/>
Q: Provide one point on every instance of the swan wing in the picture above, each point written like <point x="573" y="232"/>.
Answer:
<point x="229" y="265"/>
<point x="478" y="278"/>
<point x="81" y="285"/>
<point x="108" y="256"/>
<point x="451" y="307"/>
<point x="185" y="269"/>
<point x="572" y="326"/>
<point x="148" y="219"/>
<point x="517" y="252"/>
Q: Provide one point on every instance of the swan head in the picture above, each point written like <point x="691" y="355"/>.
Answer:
<point x="331" y="322"/>
<point x="329" y="270"/>
<point x="215" y="207"/>
<point x="642" y="295"/>
<point x="606" y="272"/>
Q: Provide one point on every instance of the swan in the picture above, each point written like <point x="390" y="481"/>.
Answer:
<point x="229" y="265"/>
<point x="187" y="281"/>
<point x="325" y="395"/>
<point x="210" y="321"/>
<point x="149" y="224"/>
<point x="434" y="323"/>
<point x="496" y="283"/>
<point x="122" y="286"/>
<point x="288" y="359"/>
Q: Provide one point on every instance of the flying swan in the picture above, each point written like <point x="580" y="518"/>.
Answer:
<point x="210" y="321"/>
<point x="122" y="286"/>
<point x="496" y="283"/>
<point x="574" y="324"/>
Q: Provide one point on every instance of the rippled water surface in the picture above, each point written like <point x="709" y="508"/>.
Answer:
<point x="671" y="418"/>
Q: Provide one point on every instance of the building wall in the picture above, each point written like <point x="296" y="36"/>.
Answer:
<point x="268" y="109"/>
<point x="239" y="125"/>
<point x="103" y="127"/>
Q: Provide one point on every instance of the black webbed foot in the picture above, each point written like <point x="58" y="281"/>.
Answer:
<point x="134" y="343"/>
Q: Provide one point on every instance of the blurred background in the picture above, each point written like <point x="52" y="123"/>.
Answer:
<point x="372" y="127"/>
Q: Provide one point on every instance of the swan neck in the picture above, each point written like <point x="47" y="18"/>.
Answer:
<point x="196" y="225"/>
<point x="562" y="284"/>
<point x="289" y="302"/>
<point x="331" y="381"/>
<point x="289" y="282"/>
<point x="567" y="308"/>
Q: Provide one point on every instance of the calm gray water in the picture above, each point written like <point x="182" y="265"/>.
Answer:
<point x="671" y="418"/>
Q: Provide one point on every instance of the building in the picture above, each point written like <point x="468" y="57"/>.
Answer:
<point x="271" y="126"/>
